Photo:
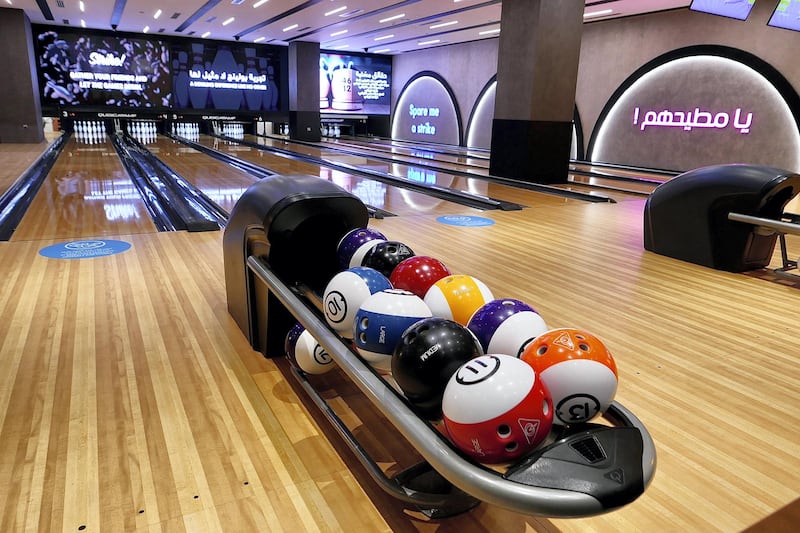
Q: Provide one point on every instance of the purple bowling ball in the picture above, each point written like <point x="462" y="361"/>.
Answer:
<point x="355" y="244"/>
<point x="506" y="326"/>
<point x="290" y="343"/>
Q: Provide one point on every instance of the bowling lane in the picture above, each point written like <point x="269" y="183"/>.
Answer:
<point x="477" y="186"/>
<point x="219" y="181"/>
<point x="622" y="179"/>
<point x="87" y="193"/>
<point x="396" y="200"/>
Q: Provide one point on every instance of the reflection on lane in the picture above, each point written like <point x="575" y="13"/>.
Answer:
<point x="372" y="192"/>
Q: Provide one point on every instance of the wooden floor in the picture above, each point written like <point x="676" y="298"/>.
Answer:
<point x="129" y="400"/>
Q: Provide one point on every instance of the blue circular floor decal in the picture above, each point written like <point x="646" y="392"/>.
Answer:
<point x="464" y="220"/>
<point x="84" y="249"/>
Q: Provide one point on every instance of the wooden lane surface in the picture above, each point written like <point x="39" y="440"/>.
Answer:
<point x="87" y="193"/>
<point x="15" y="159"/>
<point x="475" y="185"/>
<point x="128" y="402"/>
<point x="393" y="199"/>
<point x="640" y="182"/>
<point x="221" y="182"/>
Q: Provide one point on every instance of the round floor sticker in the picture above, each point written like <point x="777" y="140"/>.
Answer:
<point x="84" y="249"/>
<point x="464" y="220"/>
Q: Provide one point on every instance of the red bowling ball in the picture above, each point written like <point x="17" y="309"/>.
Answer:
<point x="417" y="274"/>
<point x="496" y="408"/>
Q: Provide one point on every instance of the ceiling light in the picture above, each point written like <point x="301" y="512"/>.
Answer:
<point x="146" y="29"/>
<point x="382" y="37"/>
<point x="293" y="26"/>
<point x="487" y="32"/>
<point x="206" y="34"/>
<point x="228" y="21"/>
<point x="598" y="13"/>
<point x="443" y="24"/>
<point x="341" y="32"/>
<point x="434" y="41"/>
<point x="157" y="14"/>
<point x="340" y="47"/>
<point x="333" y="11"/>
<point x="259" y="39"/>
<point x="382" y="50"/>
<point x="80" y="5"/>
<point x="83" y="23"/>
<point x="260" y="3"/>
<point x="395" y="17"/>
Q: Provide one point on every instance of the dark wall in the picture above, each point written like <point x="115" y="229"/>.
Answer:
<point x="611" y="51"/>
<point x="20" y="112"/>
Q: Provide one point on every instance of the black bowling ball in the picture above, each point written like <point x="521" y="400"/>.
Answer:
<point x="386" y="255"/>
<point x="428" y="354"/>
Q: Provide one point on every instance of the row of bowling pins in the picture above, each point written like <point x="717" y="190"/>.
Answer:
<point x="90" y="136"/>
<point x="142" y="128"/>
<point x="144" y="137"/>
<point x="331" y="130"/>
<point x="233" y="130"/>
<point x="186" y="129"/>
<point x="284" y="129"/>
<point x="90" y="126"/>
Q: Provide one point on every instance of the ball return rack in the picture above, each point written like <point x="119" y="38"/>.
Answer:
<point x="279" y="252"/>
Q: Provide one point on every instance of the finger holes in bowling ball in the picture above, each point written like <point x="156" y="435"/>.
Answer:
<point x="545" y="407"/>
<point x="362" y="337"/>
<point x="504" y="431"/>
<point x="408" y="339"/>
<point x="364" y="323"/>
<point x="392" y="249"/>
<point x="508" y="303"/>
<point x="541" y="350"/>
<point x="583" y="346"/>
<point x="580" y="337"/>
<point x="511" y="447"/>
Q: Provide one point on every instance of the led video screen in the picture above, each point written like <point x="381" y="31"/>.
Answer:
<point x="355" y="84"/>
<point x="736" y="9"/>
<point x="227" y="76"/>
<point x="786" y="15"/>
<point x="94" y="70"/>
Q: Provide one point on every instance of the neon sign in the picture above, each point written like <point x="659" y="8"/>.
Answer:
<point x="697" y="119"/>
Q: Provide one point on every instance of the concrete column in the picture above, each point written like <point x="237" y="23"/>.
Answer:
<point x="304" y="91"/>
<point x="537" y="72"/>
<point x="21" y="116"/>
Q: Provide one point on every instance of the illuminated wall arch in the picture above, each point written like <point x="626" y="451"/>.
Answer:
<point x="699" y="106"/>
<point x="426" y="111"/>
<point x="479" y="126"/>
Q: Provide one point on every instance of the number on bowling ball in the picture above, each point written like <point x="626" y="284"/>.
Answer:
<point x="578" y="408"/>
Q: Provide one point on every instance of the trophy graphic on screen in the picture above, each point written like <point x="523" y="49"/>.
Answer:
<point x="344" y="89"/>
<point x="324" y="84"/>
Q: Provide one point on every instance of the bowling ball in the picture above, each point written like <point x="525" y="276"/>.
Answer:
<point x="381" y="321"/>
<point x="457" y="297"/>
<point x="428" y="354"/>
<point x="577" y="369"/>
<point x="310" y="356"/>
<point x="351" y="248"/>
<point x="345" y="293"/>
<point x="506" y="326"/>
<point x="417" y="274"/>
<point x="496" y="408"/>
<point x="290" y="343"/>
<point x="385" y="256"/>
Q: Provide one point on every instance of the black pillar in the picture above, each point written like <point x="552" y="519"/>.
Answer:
<point x="304" y="91"/>
<point x="21" y="117"/>
<point x="536" y="75"/>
